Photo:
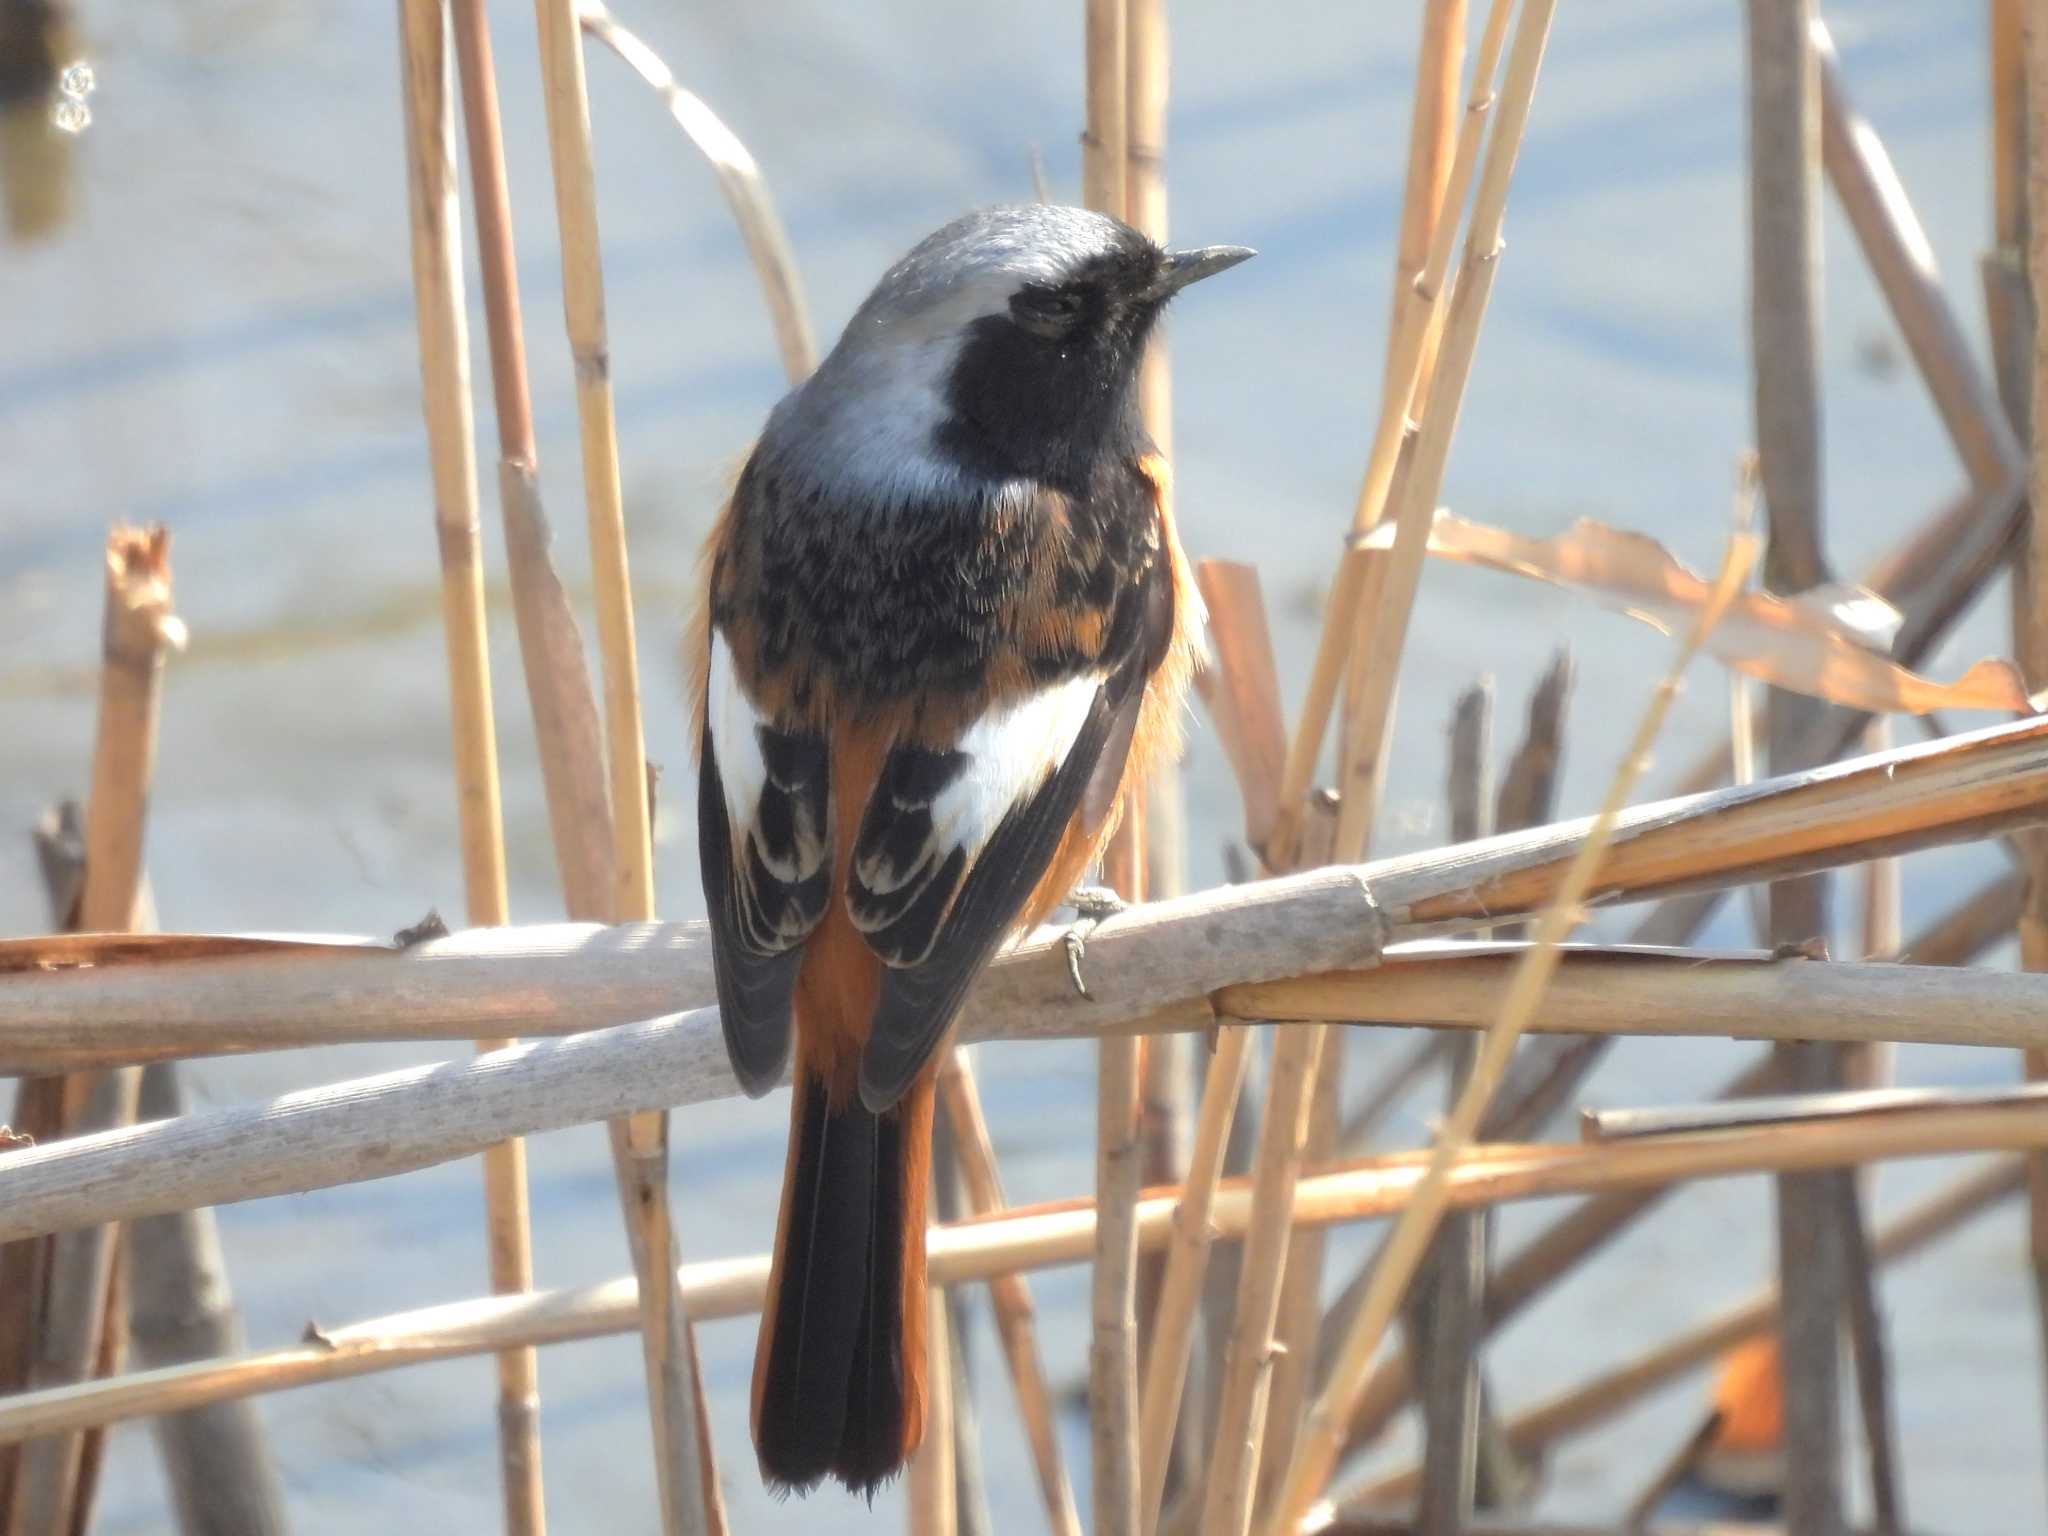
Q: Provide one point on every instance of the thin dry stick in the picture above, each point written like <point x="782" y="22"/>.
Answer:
<point x="1594" y="1402"/>
<point x="2007" y="304"/>
<point x="2031" y="641"/>
<point x="1324" y="1435"/>
<point x="930" y="1490"/>
<point x="639" y="1142"/>
<point x="739" y="178"/>
<point x="1902" y="260"/>
<point x="435" y="208"/>
<point x="1016" y="1323"/>
<point x="1784" y="219"/>
<point x="1418" y="307"/>
<point x="80" y="1326"/>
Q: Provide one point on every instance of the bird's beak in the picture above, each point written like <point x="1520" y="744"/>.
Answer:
<point x="1184" y="267"/>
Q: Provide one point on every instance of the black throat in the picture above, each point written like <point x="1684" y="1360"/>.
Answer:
<point x="1021" y="406"/>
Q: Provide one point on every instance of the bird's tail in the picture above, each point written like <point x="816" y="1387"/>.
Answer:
<point x="839" y="1372"/>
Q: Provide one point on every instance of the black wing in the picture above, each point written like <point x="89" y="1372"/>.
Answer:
<point x="767" y="874"/>
<point x="937" y="894"/>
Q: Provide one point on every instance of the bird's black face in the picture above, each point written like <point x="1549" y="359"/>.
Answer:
<point x="1044" y="389"/>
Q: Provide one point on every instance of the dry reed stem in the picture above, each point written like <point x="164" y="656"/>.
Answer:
<point x="1180" y="1289"/>
<point x="639" y="1143"/>
<point x="1599" y="1399"/>
<point x="1247" y="1377"/>
<point x="1158" y="964"/>
<point x="2031" y="617"/>
<point x="1323" y="1437"/>
<point x="2007" y="303"/>
<point x="1063" y="1233"/>
<point x="739" y="178"/>
<point x="1016" y="1323"/>
<point x="1410" y="358"/>
<point x="81" y="1325"/>
<point x="1445" y="1330"/>
<point x="435" y="209"/>
<point x="930" y="1490"/>
<point x="1104" y="141"/>
<point x="370" y="1128"/>
<point x="1556" y="1251"/>
<point x="1381" y="629"/>
<point x="217" y="1459"/>
<point x="1242" y="690"/>
<point x="1408" y="379"/>
<point x="1900" y="257"/>
<point x="551" y="652"/>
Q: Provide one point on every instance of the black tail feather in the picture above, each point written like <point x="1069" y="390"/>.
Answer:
<point x="831" y="1399"/>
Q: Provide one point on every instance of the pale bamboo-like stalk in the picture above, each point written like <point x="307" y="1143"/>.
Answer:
<point x="1233" y="1470"/>
<point x="435" y="207"/>
<point x="739" y="178"/>
<point x="1063" y="1233"/>
<point x="1381" y="630"/>
<point x="1418" y="306"/>
<point x="2031" y="618"/>
<point x="82" y="1327"/>
<point x="1323" y="1437"/>
<point x="639" y="1142"/>
<point x="2008" y="306"/>
<point x="1594" y="1402"/>
<point x="1104" y="140"/>
<point x="1016" y="1323"/>
<point x="930" y="1489"/>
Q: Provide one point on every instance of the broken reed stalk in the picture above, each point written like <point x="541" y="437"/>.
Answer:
<point x="1241" y="689"/>
<point x="2031" y="617"/>
<point x="739" y="178"/>
<point x="435" y="207"/>
<point x="684" y="1465"/>
<point x="1601" y="1398"/>
<point x="1323" y="1436"/>
<point x="1416" y="318"/>
<point x="1900" y="257"/>
<point x="1784" y="113"/>
<point x="558" y="688"/>
<point x="81" y="1322"/>
<point x="1016" y="1324"/>
<point x="1063" y="1233"/>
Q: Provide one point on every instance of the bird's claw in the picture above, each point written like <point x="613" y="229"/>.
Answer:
<point x="1091" y="904"/>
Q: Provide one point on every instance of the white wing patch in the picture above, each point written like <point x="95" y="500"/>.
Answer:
<point x="734" y="727"/>
<point x="1011" y="751"/>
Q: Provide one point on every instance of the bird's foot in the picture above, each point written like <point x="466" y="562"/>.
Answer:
<point x="1091" y="904"/>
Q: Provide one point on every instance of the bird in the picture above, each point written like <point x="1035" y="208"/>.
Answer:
<point x="943" y="624"/>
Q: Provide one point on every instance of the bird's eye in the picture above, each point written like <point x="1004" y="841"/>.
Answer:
<point x="1047" y="310"/>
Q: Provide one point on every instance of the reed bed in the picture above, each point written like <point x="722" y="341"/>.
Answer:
<point x="1190" y="996"/>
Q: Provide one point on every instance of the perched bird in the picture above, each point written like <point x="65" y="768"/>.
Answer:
<point x="944" y="623"/>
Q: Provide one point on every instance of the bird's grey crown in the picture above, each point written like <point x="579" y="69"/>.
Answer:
<point x="994" y="251"/>
<point x="858" y="435"/>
